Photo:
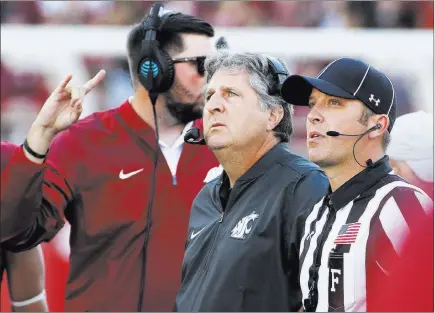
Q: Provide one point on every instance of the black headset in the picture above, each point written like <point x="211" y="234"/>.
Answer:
<point x="155" y="68"/>
<point x="279" y="73"/>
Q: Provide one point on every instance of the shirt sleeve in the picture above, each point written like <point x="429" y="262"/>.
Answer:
<point x="310" y="189"/>
<point x="52" y="195"/>
<point x="399" y="217"/>
<point x="21" y="190"/>
<point x="395" y="221"/>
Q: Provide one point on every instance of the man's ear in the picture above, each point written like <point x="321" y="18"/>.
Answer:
<point x="275" y="117"/>
<point x="384" y="121"/>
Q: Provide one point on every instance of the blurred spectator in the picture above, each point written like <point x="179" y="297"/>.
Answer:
<point x="295" y="13"/>
<point x="20" y="12"/>
<point x="186" y="7"/>
<point x="117" y="84"/>
<point x="237" y="14"/>
<point x="73" y="12"/>
<point x="123" y="13"/>
<point x="335" y="14"/>
<point x="361" y="13"/>
<point x="397" y="14"/>
<point x="22" y="95"/>
<point x="411" y="149"/>
<point x="6" y="82"/>
<point x="426" y="11"/>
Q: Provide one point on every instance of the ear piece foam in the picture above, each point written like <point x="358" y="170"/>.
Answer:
<point x="155" y="68"/>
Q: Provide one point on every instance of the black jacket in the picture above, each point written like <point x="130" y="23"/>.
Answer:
<point x="238" y="254"/>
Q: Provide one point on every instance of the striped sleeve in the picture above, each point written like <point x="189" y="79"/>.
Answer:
<point x="397" y="213"/>
<point x="395" y="220"/>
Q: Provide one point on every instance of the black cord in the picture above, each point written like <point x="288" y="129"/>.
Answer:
<point x="153" y="98"/>
<point x="353" y="150"/>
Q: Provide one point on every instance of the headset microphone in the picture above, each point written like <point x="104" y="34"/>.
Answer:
<point x="193" y="136"/>
<point x="333" y="133"/>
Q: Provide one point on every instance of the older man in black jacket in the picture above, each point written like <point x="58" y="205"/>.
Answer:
<point x="238" y="253"/>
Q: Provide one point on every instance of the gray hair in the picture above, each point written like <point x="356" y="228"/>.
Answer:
<point x="261" y="79"/>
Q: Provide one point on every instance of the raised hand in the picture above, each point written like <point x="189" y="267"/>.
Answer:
<point x="64" y="106"/>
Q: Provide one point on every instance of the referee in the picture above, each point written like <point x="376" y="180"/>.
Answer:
<point x="352" y="111"/>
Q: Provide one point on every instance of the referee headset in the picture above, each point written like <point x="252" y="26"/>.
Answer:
<point x="155" y="71"/>
<point x="279" y="73"/>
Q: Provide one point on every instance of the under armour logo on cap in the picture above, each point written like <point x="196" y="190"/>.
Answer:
<point x="376" y="101"/>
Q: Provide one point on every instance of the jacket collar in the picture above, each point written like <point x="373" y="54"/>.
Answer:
<point x="262" y="165"/>
<point x="130" y="116"/>
<point x="360" y="183"/>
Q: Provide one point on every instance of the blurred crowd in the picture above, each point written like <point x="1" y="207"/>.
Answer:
<point x="22" y="94"/>
<point x="397" y="14"/>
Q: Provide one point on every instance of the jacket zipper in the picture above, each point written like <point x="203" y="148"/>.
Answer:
<point x="207" y="260"/>
<point x="205" y="268"/>
<point x="212" y="248"/>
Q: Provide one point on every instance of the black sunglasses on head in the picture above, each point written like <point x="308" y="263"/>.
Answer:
<point x="199" y="61"/>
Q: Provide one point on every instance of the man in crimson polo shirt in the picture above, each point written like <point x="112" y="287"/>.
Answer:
<point x="99" y="174"/>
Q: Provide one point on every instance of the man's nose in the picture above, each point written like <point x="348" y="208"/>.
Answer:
<point x="314" y="116"/>
<point x="215" y="104"/>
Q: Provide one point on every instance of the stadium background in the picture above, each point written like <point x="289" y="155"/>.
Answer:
<point x="42" y="41"/>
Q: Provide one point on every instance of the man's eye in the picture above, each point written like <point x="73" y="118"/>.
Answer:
<point x="207" y="98"/>
<point x="231" y="94"/>
<point x="334" y="102"/>
<point x="310" y="105"/>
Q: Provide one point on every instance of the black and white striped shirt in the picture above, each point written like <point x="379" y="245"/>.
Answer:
<point x="337" y="237"/>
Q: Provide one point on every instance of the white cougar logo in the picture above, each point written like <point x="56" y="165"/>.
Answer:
<point x="243" y="227"/>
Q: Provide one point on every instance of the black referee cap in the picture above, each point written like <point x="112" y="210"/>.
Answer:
<point x="346" y="78"/>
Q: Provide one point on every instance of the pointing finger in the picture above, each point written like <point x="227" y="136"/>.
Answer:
<point x="94" y="81"/>
<point x="63" y="83"/>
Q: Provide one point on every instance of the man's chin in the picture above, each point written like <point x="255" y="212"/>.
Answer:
<point x="323" y="163"/>
<point x="183" y="112"/>
<point x="217" y="145"/>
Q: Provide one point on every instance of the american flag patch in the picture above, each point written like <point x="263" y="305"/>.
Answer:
<point x="347" y="234"/>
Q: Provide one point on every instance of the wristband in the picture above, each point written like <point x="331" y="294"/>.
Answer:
<point x="39" y="297"/>
<point x="33" y="153"/>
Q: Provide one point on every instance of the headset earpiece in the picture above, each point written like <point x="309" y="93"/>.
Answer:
<point x="280" y="73"/>
<point x="155" y="68"/>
